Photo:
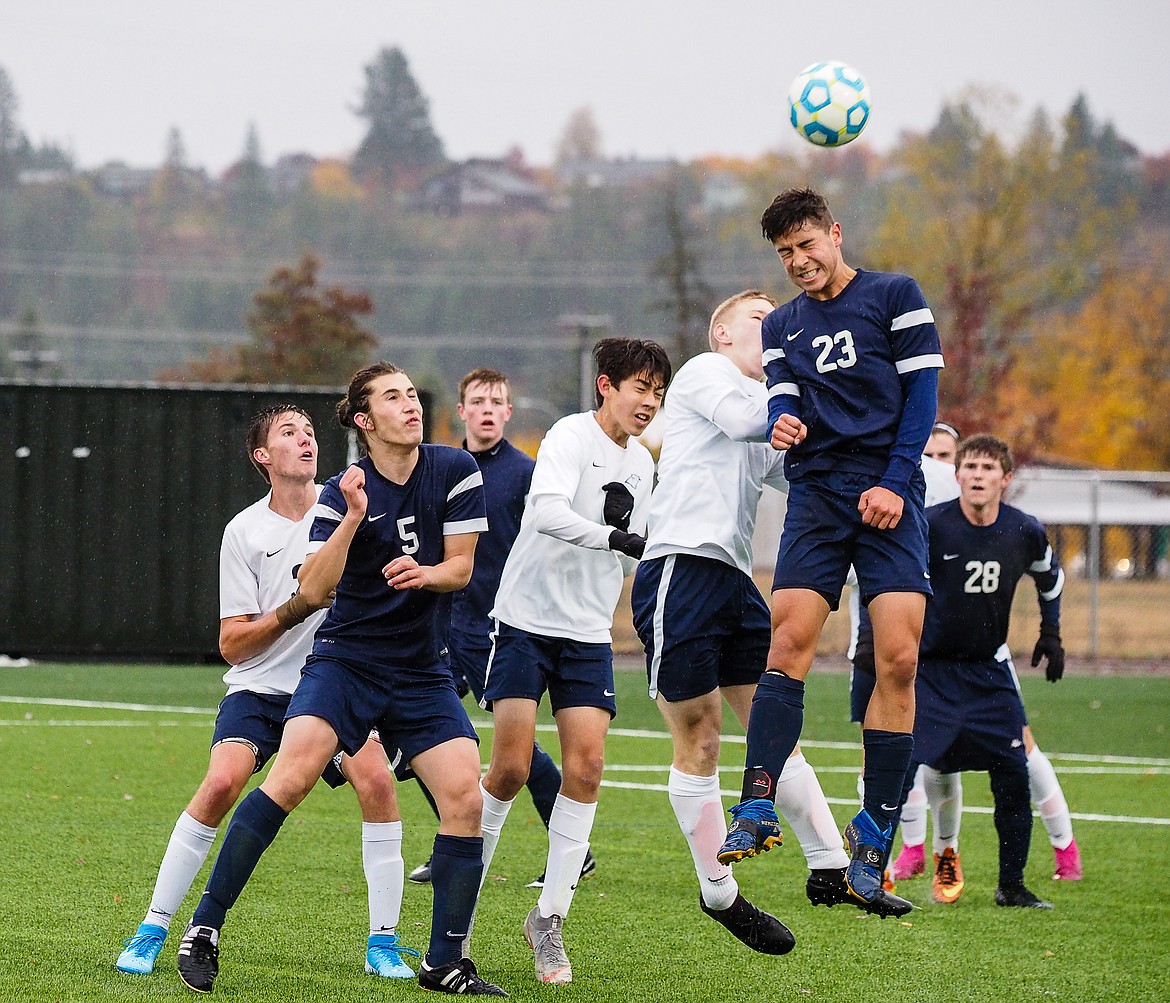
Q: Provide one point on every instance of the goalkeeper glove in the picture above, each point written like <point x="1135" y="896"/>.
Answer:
<point x="630" y="544"/>
<point x="619" y="504"/>
<point x="1049" y="647"/>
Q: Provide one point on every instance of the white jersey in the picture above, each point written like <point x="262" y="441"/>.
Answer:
<point x="709" y="479"/>
<point x="258" y="563"/>
<point x="561" y="579"/>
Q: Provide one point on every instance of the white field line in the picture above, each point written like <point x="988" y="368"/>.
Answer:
<point x="487" y="723"/>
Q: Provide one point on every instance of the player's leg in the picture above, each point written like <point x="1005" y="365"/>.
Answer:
<point x="944" y="794"/>
<point x="514" y="731"/>
<point x="911" y="861"/>
<point x="306" y="747"/>
<point x="887" y="738"/>
<point x="1013" y="824"/>
<point x="1048" y="797"/>
<point x="777" y="715"/>
<point x="369" y="773"/>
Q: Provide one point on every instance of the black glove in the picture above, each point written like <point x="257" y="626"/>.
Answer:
<point x="630" y="544"/>
<point x="619" y="503"/>
<point x="1049" y="647"/>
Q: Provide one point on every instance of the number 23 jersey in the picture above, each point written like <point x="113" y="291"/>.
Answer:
<point x="369" y="620"/>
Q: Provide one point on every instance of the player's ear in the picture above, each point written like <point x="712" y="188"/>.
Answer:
<point x="260" y="455"/>
<point x="361" y="420"/>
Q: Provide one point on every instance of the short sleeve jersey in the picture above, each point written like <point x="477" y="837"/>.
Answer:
<point x="974" y="571"/>
<point x="843" y="358"/>
<point x="560" y="589"/>
<point x="709" y="485"/>
<point x="369" y="622"/>
<point x="507" y="473"/>
<point x="259" y="558"/>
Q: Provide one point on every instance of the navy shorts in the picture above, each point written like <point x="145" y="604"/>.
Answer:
<point x="257" y="721"/>
<point x="823" y="534"/>
<point x="703" y="623"/>
<point x="414" y="709"/>
<point x="524" y="665"/>
<point x="469" y="654"/>
<point x="969" y="715"/>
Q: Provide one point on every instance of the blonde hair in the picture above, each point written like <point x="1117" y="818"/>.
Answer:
<point x="729" y="304"/>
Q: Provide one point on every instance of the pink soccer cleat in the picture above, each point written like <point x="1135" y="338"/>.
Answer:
<point x="911" y="862"/>
<point x="1068" y="863"/>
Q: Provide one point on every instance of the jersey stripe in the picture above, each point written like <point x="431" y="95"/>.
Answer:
<point x="1044" y="564"/>
<point x="466" y="526"/>
<point x="325" y="512"/>
<point x="1056" y="589"/>
<point x="772" y="354"/>
<point x="912" y="319"/>
<point x="784" y="390"/>
<point x="468" y="482"/>
<point x="918" y="362"/>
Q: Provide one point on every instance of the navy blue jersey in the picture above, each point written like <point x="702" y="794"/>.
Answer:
<point x="369" y="621"/>
<point x="507" y="473"/>
<point x="839" y="365"/>
<point x="974" y="571"/>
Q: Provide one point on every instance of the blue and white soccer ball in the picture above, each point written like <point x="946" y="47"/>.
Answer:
<point x="829" y="104"/>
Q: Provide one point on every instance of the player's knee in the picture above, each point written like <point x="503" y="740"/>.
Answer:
<point x="898" y="666"/>
<point x="581" y="775"/>
<point x="220" y="790"/>
<point x="461" y="806"/>
<point x="374" y="788"/>
<point x="506" y="778"/>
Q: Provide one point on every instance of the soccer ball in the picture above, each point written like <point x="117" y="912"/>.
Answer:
<point x="829" y="104"/>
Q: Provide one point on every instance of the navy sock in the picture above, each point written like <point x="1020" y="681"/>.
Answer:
<point x="253" y="827"/>
<point x="1013" y="820"/>
<point x="544" y="783"/>
<point x="887" y="758"/>
<point x="773" y="730"/>
<point x="456" y="866"/>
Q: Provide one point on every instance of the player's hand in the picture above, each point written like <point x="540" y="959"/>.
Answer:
<point x="406" y="573"/>
<point x="788" y="431"/>
<point x="1050" y="648"/>
<point x="619" y="505"/>
<point x="630" y="544"/>
<point x="880" y="508"/>
<point x="353" y="490"/>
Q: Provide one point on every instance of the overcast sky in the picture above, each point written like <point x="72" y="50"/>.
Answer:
<point x="664" y="78"/>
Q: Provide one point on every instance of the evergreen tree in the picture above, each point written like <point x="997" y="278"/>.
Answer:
<point x="401" y="144"/>
<point x="249" y="193"/>
<point x="11" y="138"/>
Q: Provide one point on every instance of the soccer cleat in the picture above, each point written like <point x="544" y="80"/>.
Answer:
<point x="1068" y="863"/>
<point x="865" y="876"/>
<point x="199" y="957"/>
<point x="1019" y="897"/>
<point x="828" y="887"/>
<point x="755" y="829"/>
<point x="460" y="978"/>
<point x="587" y="868"/>
<point x="548" y="948"/>
<point x="761" y="931"/>
<point x="384" y="957"/>
<point x="947" y="884"/>
<point x="421" y="875"/>
<point x="911" y="862"/>
<point x="141" y="949"/>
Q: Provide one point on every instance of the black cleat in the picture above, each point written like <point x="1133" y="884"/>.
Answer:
<point x="761" y="931"/>
<point x="829" y="887"/>
<point x="199" y="958"/>
<point x="1020" y="897"/>
<point x="460" y="978"/>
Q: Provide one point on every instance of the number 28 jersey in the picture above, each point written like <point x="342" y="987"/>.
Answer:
<point x="369" y="620"/>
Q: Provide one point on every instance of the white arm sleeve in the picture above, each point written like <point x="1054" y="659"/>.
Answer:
<point x="553" y="516"/>
<point x="741" y="418"/>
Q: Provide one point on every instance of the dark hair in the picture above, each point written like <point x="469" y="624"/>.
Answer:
<point x="491" y="377"/>
<point x="986" y="445"/>
<point x="259" y="427"/>
<point x="792" y="209"/>
<point x="621" y="358"/>
<point x="357" y="398"/>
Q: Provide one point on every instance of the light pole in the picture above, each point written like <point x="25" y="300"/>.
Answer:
<point x="587" y="326"/>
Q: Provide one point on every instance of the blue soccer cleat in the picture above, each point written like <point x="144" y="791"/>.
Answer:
<point x="865" y="876"/>
<point x="384" y="957"/>
<point x="755" y="829"/>
<point x="142" y="949"/>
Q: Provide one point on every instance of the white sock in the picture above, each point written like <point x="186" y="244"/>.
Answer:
<point x="1048" y="797"/>
<point x="385" y="873"/>
<point x="491" y="823"/>
<point x="944" y="791"/>
<point x="802" y="803"/>
<point x="187" y="850"/>
<point x="914" y="812"/>
<point x="568" y="842"/>
<point x="699" y="809"/>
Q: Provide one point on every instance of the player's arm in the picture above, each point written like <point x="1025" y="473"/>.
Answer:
<point x="881" y="506"/>
<point x="555" y="480"/>
<point x="322" y="569"/>
<point x="785" y="427"/>
<point x="449" y="575"/>
<point x="244" y="637"/>
<point x="1048" y="575"/>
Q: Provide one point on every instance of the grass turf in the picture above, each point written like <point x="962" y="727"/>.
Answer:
<point x="90" y="795"/>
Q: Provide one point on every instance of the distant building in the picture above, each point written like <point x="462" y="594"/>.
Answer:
<point x="44" y="175"/>
<point x="118" y="179"/>
<point x="723" y="192"/>
<point x="291" y="171"/>
<point x="619" y="173"/>
<point x="484" y="185"/>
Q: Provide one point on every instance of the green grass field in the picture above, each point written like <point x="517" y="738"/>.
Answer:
<point x="100" y="760"/>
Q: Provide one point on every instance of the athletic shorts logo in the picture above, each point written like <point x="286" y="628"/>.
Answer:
<point x="608" y="693"/>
